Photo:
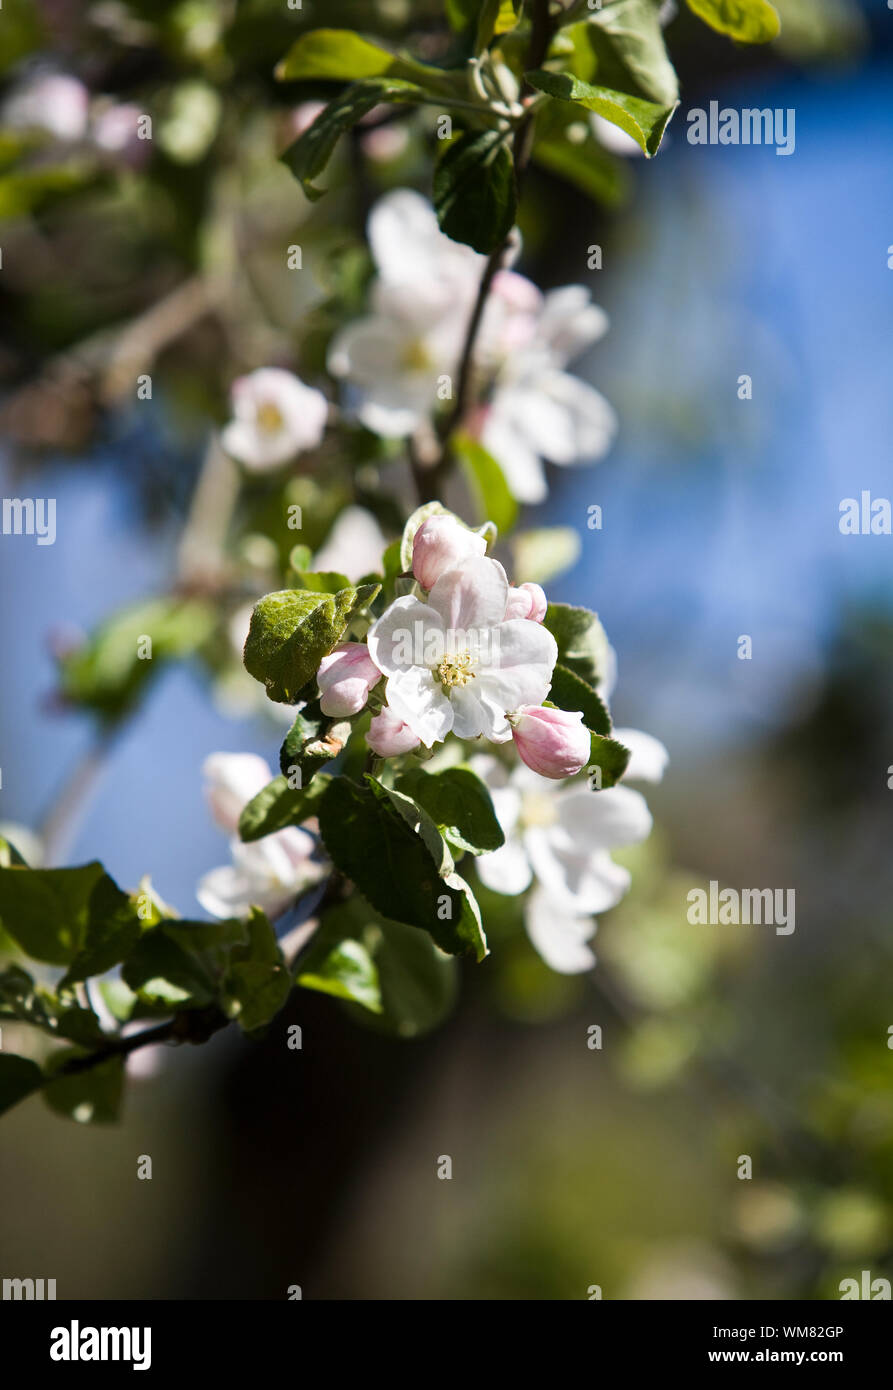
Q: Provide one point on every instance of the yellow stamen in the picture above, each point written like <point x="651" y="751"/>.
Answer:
<point x="455" y="670"/>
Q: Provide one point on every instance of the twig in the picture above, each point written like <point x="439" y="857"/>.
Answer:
<point x="429" y="482"/>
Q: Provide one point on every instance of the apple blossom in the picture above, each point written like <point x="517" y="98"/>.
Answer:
<point x="53" y="102"/>
<point x="527" y="601"/>
<point x="538" y="410"/>
<point x="553" y="742"/>
<point x="442" y="543"/>
<point x="421" y="302"/>
<point x="345" y="678"/>
<point x="231" y="780"/>
<point x="388" y="736"/>
<point x="267" y="873"/>
<point x="560" y="838"/>
<point x="454" y="664"/>
<point x="275" y="417"/>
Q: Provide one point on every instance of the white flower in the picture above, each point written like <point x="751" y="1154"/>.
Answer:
<point x="422" y="301"/>
<point x="52" y="102"/>
<point x="538" y="410"/>
<point x="354" y="545"/>
<point x="275" y="417"/>
<point x="560" y="837"/>
<point x="267" y="873"/>
<point x="454" y="664"/>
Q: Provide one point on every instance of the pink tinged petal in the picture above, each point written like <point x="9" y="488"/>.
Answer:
<point x="231" y="780"/>
<point x="388" y="736"/>
<point x="552" y="742"/>
<point x="649" y="757"/>
<point x="527" y="601"/>
<point x="442" y="543"/>
<point x="559" y="936"/>
<point x="507" y="870"/>
<point x="471" y="598"/>
<point x="345" y="678"/>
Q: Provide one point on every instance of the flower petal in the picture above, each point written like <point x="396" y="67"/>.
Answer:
<point x="397" y="640"/>
<point x="472" y="598"/>
<point x="559" y="936"/>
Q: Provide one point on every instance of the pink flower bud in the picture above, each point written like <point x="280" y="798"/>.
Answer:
<point x="526" y="601"/>
<point x="345" y="678"/>
<point x="388" y="735"/>
<point x="553" y="742"/>
<point x="442" y="543"/>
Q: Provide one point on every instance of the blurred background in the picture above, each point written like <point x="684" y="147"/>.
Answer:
<point x="571" y="1167"/>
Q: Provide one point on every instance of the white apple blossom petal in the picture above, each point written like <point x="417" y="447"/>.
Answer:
<point x="577" y="880"/>
<point x="608" y="819"/>
<point x="507" y="870"/>
<point x="649" y="757"/>
<point x="570" y="322"/>
<point x="417" y="699"/>
<point x="397" y="639"/>
<point x="232" y="779"/>
<point x="559" y="936"/>
<point x="524" y="657"/>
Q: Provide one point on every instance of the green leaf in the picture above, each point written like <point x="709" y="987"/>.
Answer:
<point x="92" y="1096"/>
<point x="46" y="911"/>
<point x="291" y="631"/>
<point x="622" y="47"/>
<point x="459" y="804"/>
<point x="110" y="672"/>
<point x="570" y="692"/>
<point x="462" y="14"/>
<point x="253" y="993"/>
<point x="475" y="194"/>
<point x="582" y="641"/>
<point x="418" y="982"/>
<point x="257" y="984"/>
<point x="279" y="805"/>
<point x="340" y="966"/>
<point x="340" y="55"/>
<point x="305" y="754"/>
<point x="163" y="971"/>
<point x="111" y="932"/>
<point x="748" y="21"/>
<point x="610" y="757"/>
<point x="19" y="1077"/>
<point x="541" y="554"/>
<point x="585" y="163"/>
<point x="396" y="856"/>
<point x="496" y="17"/>
<point x="487" y="482"/>
<point x="321" y="582"/>
<point x="308" y="156"/>
<point x="644" y="120"/>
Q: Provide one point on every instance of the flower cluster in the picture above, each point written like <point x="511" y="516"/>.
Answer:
<point x="397" y="361"/>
